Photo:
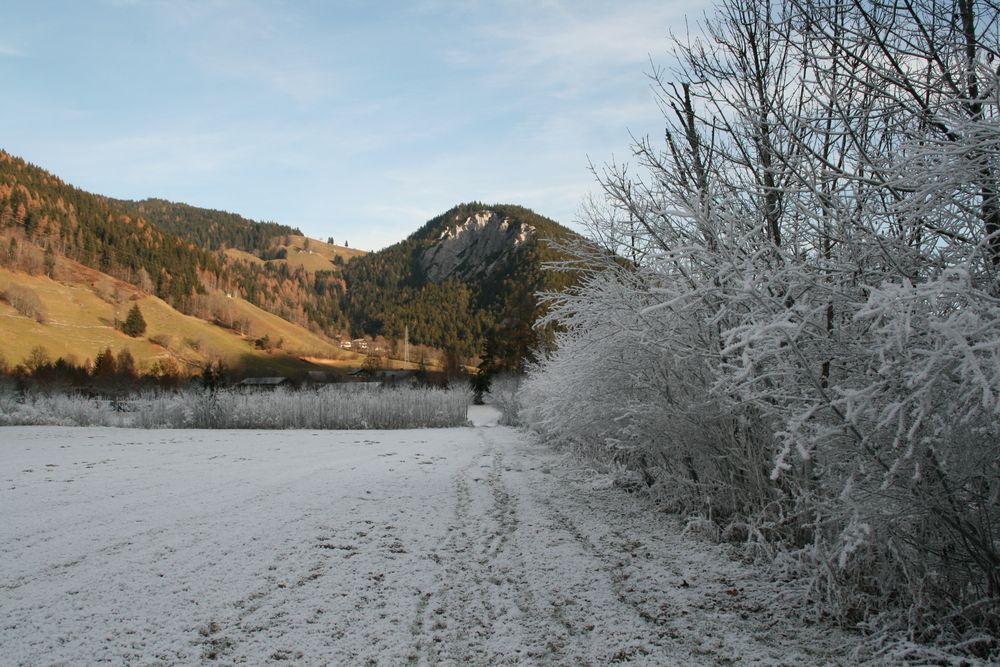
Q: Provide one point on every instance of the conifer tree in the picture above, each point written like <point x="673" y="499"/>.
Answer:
<point x="135" y="324"/>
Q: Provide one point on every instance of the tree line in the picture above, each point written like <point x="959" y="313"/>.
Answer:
<point x="108" y="372"/>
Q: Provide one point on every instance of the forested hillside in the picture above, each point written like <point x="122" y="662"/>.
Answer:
<point x="464" y="282"/>
<point x="93" y="231"/>
<point x="42" y="217"/>
<point x="208" y="228"/>
<point x="464" y="278"/>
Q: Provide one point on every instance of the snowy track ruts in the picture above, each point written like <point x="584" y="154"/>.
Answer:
<point x="430" y="547"/>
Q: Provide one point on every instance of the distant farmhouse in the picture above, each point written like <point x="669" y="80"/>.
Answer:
<point x="359" y="345"/>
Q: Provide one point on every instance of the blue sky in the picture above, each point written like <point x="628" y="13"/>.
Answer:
<point x="353" y="119"/>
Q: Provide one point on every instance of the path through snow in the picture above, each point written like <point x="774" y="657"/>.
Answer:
<point x="466" y="545"/>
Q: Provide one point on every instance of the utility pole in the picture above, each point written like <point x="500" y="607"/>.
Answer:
<point x="406" y="343"/>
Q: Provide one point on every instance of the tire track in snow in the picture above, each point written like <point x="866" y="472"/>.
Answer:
<point x="482" y="601"/>
<point x="450" y="598"/>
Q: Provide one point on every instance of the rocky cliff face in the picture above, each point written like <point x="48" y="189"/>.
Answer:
<point x="474" y="247"/>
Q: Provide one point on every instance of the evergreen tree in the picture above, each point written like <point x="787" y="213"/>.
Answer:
<point x="135" y="324"/>
<point x="480" y="382"/>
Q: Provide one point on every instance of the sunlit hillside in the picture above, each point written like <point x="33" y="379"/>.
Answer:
<point x="310" y="254"/>
<point x="74" y="316"/>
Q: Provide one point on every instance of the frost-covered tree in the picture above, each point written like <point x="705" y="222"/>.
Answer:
<point x="797" y="328"/>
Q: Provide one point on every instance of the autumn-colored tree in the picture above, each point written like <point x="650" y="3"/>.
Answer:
<point x="37" y="359"/>
<point x="373" y="364"/>
<point x="125" y="365"/>
<point x="166" y="371"/>
<point x="104" y="365"/>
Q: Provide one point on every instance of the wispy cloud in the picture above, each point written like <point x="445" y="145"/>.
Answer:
<point x="346" y="118"/>
<point x="564" y="43"/>
<point x="625" y="35"/>
<point x="257" y="43"/>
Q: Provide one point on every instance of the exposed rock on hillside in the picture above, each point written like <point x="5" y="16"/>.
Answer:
<point x="473" y="248"/>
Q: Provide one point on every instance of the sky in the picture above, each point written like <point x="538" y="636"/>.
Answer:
<point x="353" y="119"/>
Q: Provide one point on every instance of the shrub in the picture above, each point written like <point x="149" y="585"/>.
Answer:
<point x="25" y="301"/>
<point x="166" y="341"/>
<point x="344" y="406"/>
<point x="504" y="390"/>
<point x="803" y="342"/>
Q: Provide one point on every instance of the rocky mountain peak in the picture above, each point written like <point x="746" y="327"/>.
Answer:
<point x="475" y="246"/>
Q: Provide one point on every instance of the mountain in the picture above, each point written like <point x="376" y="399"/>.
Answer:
<point x="181" y="265"/>
<point x="91" y="230"/>
<point x="72" y="262"/>
<point x="464" y="277"/>
<point x="464" y="282"/>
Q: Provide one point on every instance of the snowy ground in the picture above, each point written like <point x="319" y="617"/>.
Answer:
<point x="464" y="545"/>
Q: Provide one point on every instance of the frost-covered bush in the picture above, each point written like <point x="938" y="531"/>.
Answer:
<point x="9" y="401"/>
<point x="335" y="407"/>
<point x="54" y="409"/>
<point x="504" y="390"/>
<point x="612" y="391"/>
<point x="330" y="408"/>
<point x="798" y="335"/>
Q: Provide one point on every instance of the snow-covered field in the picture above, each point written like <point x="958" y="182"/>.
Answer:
<point x="436" y="546"/>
